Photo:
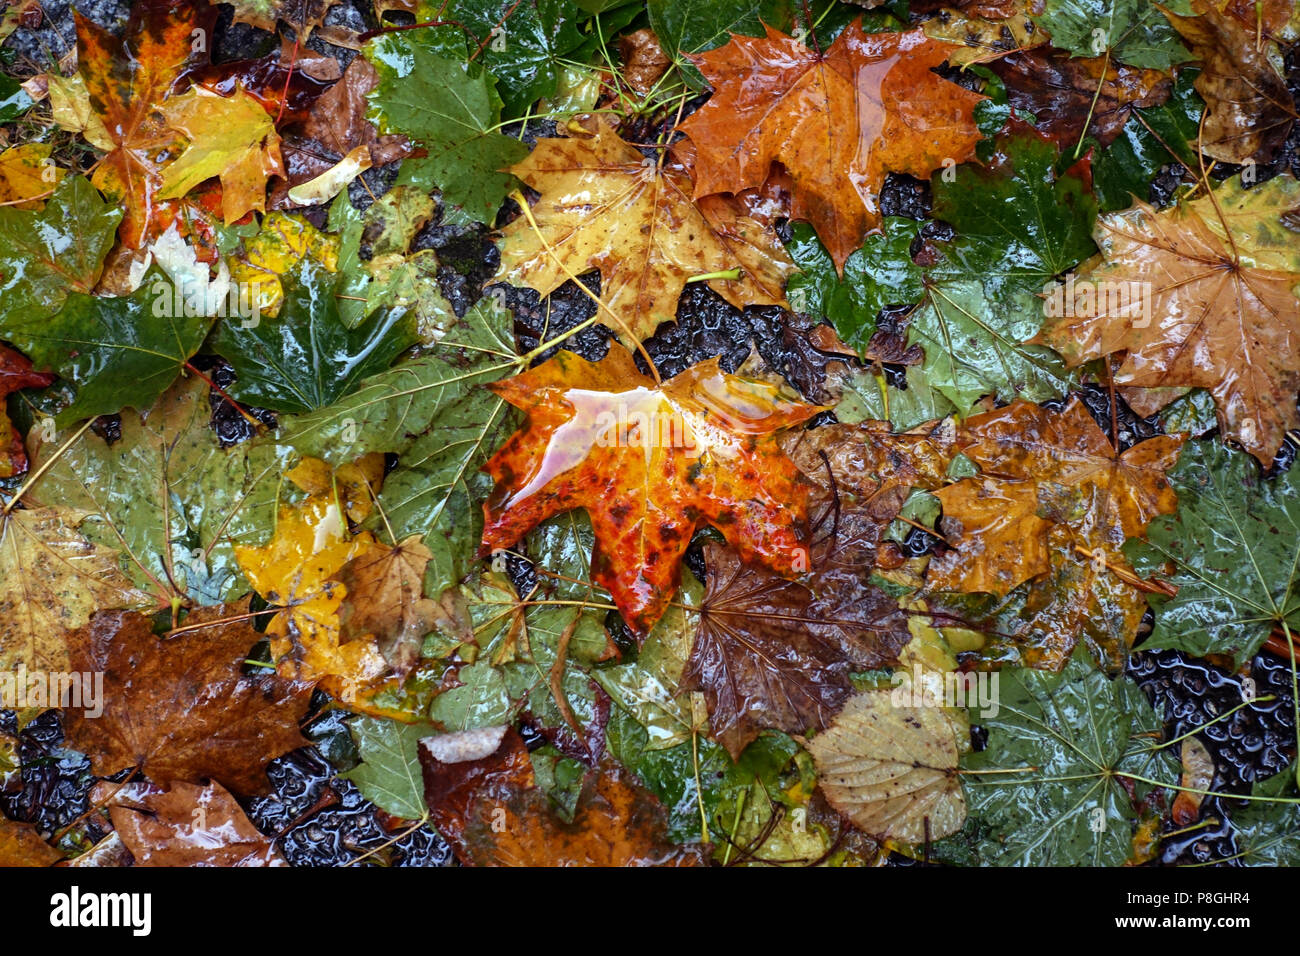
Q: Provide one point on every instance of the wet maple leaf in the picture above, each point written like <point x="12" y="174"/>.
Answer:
<point x="296" y="570"/>
<point x="1071" y="95"/>
<point x="21" y="845"/>
<point x="185" y="825"/>
<point x="1214" y="321"/>
<point x="1248" y="109"/>
<point x="775" y="653"/>
<point x="231" y="137"/>
<point x="605" y="206"/>
<point x="183" y="709"/>
<point x="127" y="79"/>
<point x="385" y="600"/>
<point x="649" y="463"/>
<point x="51" y="580"/>
<point x="484" y="800"/>
<point x="1054" y="499"/>
<point x="837" y="120"/>
<point x="15" y="372"/>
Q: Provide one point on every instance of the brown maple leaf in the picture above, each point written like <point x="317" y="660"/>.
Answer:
<point x="606" y="206"/>
<point x="837" y="120"/>
<point x="1063" y="93"/>
<point x="185" y="825"/>
<point x="385" y="599"/>
<point x="183" y="708"/>
<point x="484" y="800"/>
<point x="1054" y="503"/>
<point x="1188" y="312"/>
<point x="1248" y="108"/>
<point x="127" y="78"/>
<point x="650" y="463"/>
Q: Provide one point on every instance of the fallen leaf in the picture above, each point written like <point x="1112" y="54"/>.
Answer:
<point x="605" y="206"/>
<point x="644" y="60"/>
<point x="1188" y="312"/>
<point x="1074" y="96"/>
<point x="485" y="801"/>
<point x="51" y="581"/>
<point x="21" y="845"/>
<point x="127" y="78"/>
<point x="28" y="175"/>
<point x="1249" y="110"/>
<point x="183" y="709"/>
<point x="649" y="463"/>
<point x="15" y="372"/>
<point x="891" y="770"/>
<point x="385" y="600"/>
<point x="837" y="121"/>
<point x="231" y="137"/>
<point x="185" y="825"/>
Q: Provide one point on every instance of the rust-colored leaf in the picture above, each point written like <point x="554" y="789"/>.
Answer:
<point x="649" y="463"/>
<point x="484" y="800"/>
<point x="185" y="825"/>
<point x="837" y="120"/>
<point x="127" y="79"/>
<point x="183" y="709"/>
<point x="21" y="845"/>
<point x="15" y="372"/>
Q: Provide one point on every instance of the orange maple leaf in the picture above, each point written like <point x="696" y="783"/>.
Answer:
<point x="838" y="121"/>
<point x="126" y="79"/>
<point x="650" y="463"/>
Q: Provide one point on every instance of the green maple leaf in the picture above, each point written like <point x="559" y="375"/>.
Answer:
<point x="452" y="109"/>
<point x="1074" y="734"/>
<point x="118" y="352"/>
<point x="1234" y="550"/>
<point x="1267" y="833"/>
<point x="1134" y="31"/>
<point x="306" y="358"/>
<point x="391" y="410"/>
<point x="389" y="774"/>
<point x="168" y="496"/>
<point x="47" y="254"/>
<point x="522" y="43"/>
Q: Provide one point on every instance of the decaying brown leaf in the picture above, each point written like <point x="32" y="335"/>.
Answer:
<point x="1249" y="110"/>
<point x="483" y="798"/>
<point x="21" y="845"/>
<point x="183" y="709"/>
<point x="185" y="825"/>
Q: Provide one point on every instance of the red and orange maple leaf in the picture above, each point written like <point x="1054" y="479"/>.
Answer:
<point x="649" y="462"/>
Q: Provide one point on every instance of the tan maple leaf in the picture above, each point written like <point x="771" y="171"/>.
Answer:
<point x="1188" y="312"/>
<point x="606" y="206"/>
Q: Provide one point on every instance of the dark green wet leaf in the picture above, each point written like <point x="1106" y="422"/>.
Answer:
<point x="1233" y="550"/>
<point x="881" y="273"/>
<point x="1078" y="730"/>
<point x="451" y="108"/>
<point x="306" y="358"/>
<point x="530" y="38"/>
<point x="389" y="411"/>
<point x="119" y="352"/>
<point x="1268" y="834"/>
<point x="47" y="254"/>
<point x="1151" y="139"/>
